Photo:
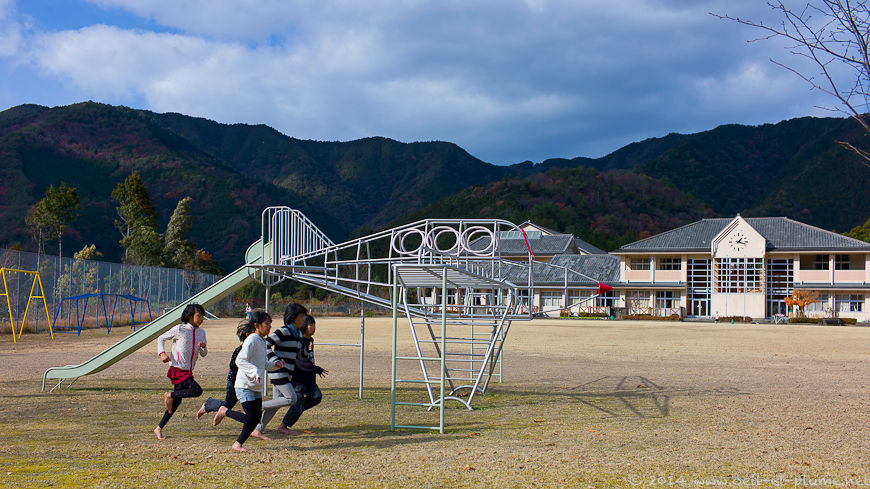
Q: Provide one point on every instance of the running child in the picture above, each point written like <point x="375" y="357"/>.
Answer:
<point x="211" y="405"/>
<point x="250" y="380"/>
<point x="188" y="342"/>
<point x="285" y="342"/>
<point x="305" y="374"/>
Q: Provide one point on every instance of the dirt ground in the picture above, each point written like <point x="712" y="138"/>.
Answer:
<point x="583" y="404"/>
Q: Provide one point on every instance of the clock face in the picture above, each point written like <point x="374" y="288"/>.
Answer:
<point x="738" y="241"/>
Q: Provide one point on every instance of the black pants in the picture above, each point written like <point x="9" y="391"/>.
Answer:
<point x="212" y="404"/>
<point x="187" y="388"/>
<point x="307" y="396"/>
<point x="250" y="418"/>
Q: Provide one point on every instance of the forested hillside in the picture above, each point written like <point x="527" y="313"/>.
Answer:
<point x="793" y="168"/>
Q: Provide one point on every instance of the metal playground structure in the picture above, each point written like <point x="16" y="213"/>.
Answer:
<point x="444" y="277"/>
<point x="34" y="294"/>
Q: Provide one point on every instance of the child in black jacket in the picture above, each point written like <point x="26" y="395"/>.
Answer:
<point x="305" y="374"/>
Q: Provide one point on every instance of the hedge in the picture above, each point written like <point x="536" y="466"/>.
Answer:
<point x="650" y="317"/>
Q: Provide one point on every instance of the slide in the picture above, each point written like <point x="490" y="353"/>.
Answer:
<point x="211" y="294"/>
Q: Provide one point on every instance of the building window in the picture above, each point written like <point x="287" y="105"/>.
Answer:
<point x="665" y="299"/>
<point x="850" y="303"/>
<point x="606" y="299"/>
<point x="738" y="275"/>
<point x="841" y="262"/>
<point x="580" y="297"/>
<point x="551" y="299"/>
<point x="451" y="296"/>
<point x="821" y="262"/>
<point x="670" y="264"/>
<point x="820" y="304"/>
<point x="639" y="264"/>
<point x="637" y="301"/>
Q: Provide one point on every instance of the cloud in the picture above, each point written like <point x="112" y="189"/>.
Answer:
<point x="11" y="35"/>
<point x="508" y="80"/>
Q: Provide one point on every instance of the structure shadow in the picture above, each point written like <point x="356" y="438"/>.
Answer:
<point x="636" y="396"/>
<point x="630" y="396"/>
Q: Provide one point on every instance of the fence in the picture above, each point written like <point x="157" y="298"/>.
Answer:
<point x="349" y="308"/>
<point x="65" y="277"/>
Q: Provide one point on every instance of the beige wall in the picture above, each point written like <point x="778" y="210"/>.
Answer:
<point x="750" y="304"/>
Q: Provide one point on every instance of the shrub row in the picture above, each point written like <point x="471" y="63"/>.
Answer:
<point x="650" y="317"/>
<point x="736" y="319"/>
<point x="567" y="314"/>
<point x="806" y="320"/>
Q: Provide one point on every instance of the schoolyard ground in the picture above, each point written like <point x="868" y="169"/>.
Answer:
<point x="583" y="403"/>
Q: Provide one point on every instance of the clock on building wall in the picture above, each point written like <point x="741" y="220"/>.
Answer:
<point x="738" y="241"/>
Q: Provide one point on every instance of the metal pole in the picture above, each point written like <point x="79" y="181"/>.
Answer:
<point x="393" y="363"/>
<point x="362" y="345"/>
<point x="268" y="288"/>
<point x="443" y="349"/>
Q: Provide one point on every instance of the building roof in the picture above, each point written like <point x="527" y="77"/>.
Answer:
<point x="588" y="247"/>
<point x="541" y="244"/>
<point x="592" y="269"/>
<point x="781" y="234"/>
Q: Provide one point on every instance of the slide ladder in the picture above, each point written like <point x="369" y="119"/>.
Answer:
<point x="457" y="346"/>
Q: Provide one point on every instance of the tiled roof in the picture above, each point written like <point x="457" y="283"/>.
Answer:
<point x="601" y="267"/>
<point x="592" y="269"/>
<point x="781" y="233"/>
<point x="588" y="247"/>
<point x="545" y="245"/>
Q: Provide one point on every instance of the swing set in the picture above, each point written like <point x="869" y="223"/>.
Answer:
<point x="81" y="305"/>
<point x="5" y="292"/>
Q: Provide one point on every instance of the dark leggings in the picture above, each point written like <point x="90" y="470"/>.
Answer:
<point x="250" y="418"/>
<point x="187" y="388"/>
<point x="307" y="396"/>
<point x="212" y="405"/>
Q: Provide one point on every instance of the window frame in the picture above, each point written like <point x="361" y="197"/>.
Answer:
<point x="669" y="263"/>
<point x="645" y="261"/>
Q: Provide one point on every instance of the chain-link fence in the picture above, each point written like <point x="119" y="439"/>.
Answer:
<point x="132" y="293"/>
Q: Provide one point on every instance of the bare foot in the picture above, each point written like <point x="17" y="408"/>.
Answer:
<point x="259" y="434"/>
<point x="201" y="411"/>
<point x="238" y="447"/>
<point x="287" y="431"/>
<point x="219" y="416"/>
<point x="159" y="433"/>
<point x="167" y="401"/>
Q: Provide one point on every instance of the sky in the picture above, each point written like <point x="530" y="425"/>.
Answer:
<point x="507" y="80"/>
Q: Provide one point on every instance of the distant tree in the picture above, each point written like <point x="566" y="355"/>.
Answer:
<point x="87" y="253"/>
<point x="144" y="246"/>
<point x="203" y="262"/>
<point x="135" y="210"/>
<point x="861" y="232"/>
<point x="178" y="251"/>
<point x="52" y="214"/>
<point x="137" y="222"/>
<point x="833" y="35"/>
<point x="801" y="299"/>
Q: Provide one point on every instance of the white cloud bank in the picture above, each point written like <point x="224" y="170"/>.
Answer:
<point x="507" y="80"/>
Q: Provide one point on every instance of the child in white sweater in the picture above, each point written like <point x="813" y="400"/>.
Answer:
<point x="250" y="380"/>
<point x="188" y="343"/>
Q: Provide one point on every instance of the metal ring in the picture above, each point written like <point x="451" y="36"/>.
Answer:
<point x="400" y="237"/>
<point x="435" y="233"/>
<point x="472" y="233"/>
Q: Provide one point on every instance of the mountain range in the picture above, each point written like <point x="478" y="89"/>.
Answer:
<point x="233" y="171"/>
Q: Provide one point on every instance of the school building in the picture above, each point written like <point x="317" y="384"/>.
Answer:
<point x="709" y="268"/>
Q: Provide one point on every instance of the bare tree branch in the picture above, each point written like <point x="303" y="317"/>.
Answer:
<point x="834" y="36"/>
